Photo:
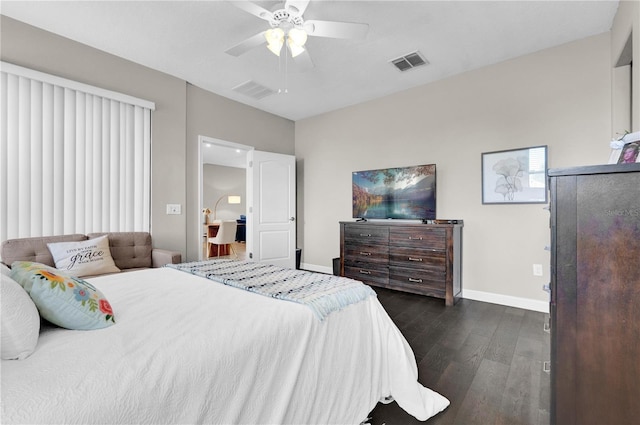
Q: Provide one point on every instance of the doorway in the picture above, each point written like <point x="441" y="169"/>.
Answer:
<point x="222" y="187"/>
<point x="269" y="204"/>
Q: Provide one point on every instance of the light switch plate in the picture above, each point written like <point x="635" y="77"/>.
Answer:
<point x="174" y="209"/>
<point x="537" y="269"/>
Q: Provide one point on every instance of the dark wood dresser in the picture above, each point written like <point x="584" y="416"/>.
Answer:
<point x="595" y="295"/>
<point x="420" y="258"/>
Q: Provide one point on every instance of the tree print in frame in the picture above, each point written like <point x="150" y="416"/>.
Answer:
<point x="516" y="176"/>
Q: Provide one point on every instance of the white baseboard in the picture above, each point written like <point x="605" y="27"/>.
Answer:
<point x="315" y="268"/>
<point x="508" y="300"/>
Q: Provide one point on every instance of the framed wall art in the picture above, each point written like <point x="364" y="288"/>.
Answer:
<point x="515" y="176"/>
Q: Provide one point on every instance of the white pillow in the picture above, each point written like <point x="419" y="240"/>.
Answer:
<point x="20" y="320"/>
<point x="84" y="258"/>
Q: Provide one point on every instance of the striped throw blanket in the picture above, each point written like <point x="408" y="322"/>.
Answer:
<point x="322" y="293"/>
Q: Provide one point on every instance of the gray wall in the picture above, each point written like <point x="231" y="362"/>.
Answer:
<point x="560" y="97"/>
<point x="33" y="48"/>
<point x="626" y="25"/>
<point x="182" y="113"/>
<point x="220" y="118"/>
<point x="219" y="181"/>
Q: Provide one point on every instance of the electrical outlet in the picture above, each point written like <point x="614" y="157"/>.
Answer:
<point x="174" y="209"/>
<point x="537" y="269"/>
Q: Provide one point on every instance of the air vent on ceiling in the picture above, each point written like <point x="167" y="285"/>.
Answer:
<point x="253" y="90"/>
<point x="409" y="61"/>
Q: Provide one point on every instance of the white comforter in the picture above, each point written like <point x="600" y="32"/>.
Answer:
<point x="187" y="350"/>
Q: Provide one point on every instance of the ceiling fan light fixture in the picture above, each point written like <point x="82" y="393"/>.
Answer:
<point x="275" y="48"/>
<point x="297" y="36"/>
<point x="275" y="40"/>
<point x="288" y="23"/>
<point x="294" y="49"/>
<point x="295" y="40"/>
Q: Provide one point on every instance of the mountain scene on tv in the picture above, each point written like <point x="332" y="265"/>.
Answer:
<point x="403" y="193"/>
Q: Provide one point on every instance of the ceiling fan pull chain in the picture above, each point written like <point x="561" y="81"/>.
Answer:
<point x="283" y="71"/>
<point x="286" y="73"/>
<point x="280" y="73"/>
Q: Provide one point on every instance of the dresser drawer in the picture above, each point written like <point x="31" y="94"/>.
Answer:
<point x="424" y="259"/>
<point x="418" y="237"/>
<point x="412" y="257"/>
<point x="359" y="252"/>
<point x="368" y="273"/>
<point x="361" y="233"/>
<point x="420" y="281"/>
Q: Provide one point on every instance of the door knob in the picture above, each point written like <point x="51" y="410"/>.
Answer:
<point x="292" y="219"/>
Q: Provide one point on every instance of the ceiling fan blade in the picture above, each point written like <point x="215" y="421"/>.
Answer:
<point x="296" y="7"/>
<point x="303" y="61"/>
<point x="247" y="44"/>
<point x="254" y="9"/>
<point x="335" y="29"/>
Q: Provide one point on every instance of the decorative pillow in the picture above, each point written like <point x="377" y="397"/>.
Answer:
<point x="84" y="258"/>
<point x="64" y="300"/>
<point x="20" y="320"/>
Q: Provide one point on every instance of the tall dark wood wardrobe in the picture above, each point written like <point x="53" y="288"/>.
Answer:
<point x="595" y="295"/>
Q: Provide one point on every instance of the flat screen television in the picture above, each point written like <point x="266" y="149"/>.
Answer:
<point x="401" y="193"/>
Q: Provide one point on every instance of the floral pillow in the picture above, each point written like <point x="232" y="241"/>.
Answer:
<point x="64" y="300"/>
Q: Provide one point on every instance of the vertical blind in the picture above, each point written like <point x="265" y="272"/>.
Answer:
<point x="73" y="158"/>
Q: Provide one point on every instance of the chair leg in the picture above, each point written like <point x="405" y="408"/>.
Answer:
<point x="233" y="250"/>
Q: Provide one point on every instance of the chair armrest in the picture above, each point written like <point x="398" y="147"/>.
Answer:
<point x="160" y="257"/>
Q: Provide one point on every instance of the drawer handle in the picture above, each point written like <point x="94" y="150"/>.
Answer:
<point x="365" y="253"/>
<point x="411" y="238"/>
<point x="415" y="280"/>
<point x="415" y="259"/>
<point x="365" y="272"/>
<point x="365" y="235"/>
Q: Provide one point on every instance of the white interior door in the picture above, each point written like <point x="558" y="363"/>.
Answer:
<point x="271" y="208"/>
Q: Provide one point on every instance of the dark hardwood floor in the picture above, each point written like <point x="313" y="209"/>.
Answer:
<point x="487" y="359"/>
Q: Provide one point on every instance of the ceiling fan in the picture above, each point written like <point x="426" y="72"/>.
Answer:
<point x="288" y="25"/>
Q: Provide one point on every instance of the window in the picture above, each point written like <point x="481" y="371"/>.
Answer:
<point x="537" y="163"/>
<point x="73" y="158"/>
<point x="622" y="90"/>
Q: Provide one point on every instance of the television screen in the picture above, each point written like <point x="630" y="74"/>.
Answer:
<point x="403" y="192"/>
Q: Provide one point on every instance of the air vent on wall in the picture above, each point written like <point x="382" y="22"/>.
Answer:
<point x="253" y="90"/>
<point x="409" y="61"/>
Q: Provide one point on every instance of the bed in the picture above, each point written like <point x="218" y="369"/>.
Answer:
<point x="186" y="349"/>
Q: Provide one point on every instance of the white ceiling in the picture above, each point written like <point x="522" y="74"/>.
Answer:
<point x="188" y="39"/>
<point x="220" y="153"/>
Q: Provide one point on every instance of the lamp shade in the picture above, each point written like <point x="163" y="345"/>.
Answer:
<point x="231" y="199"/>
